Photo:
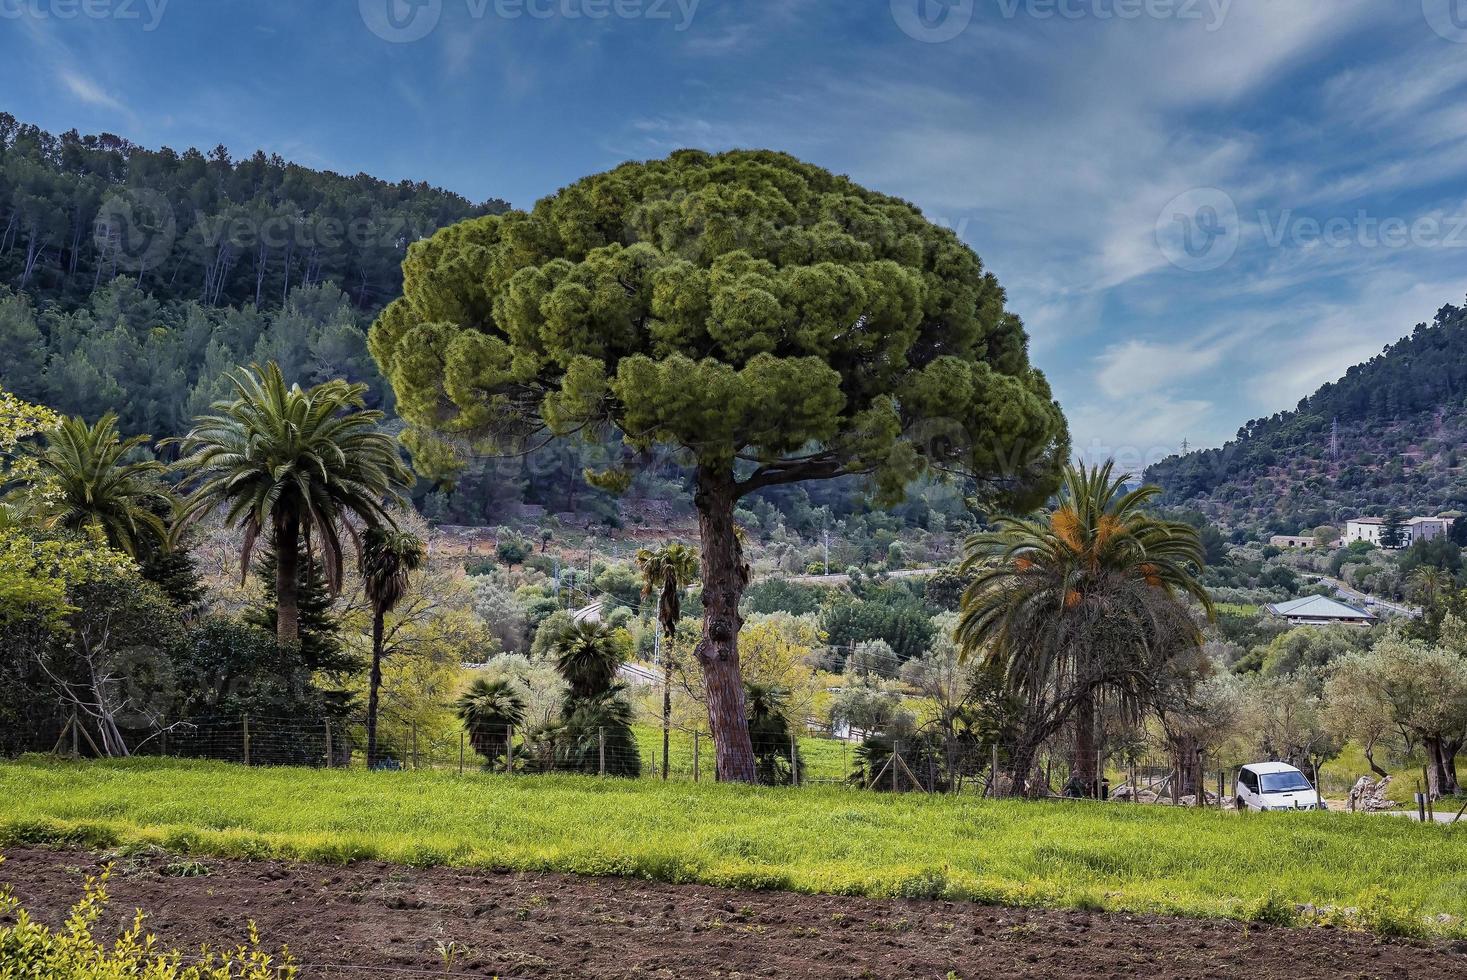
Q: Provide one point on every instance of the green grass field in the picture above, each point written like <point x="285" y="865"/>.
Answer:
<point x="822" y="839"/>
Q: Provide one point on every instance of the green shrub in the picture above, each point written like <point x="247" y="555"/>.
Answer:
<point x="29" y="949"/>
<point x="1380" y="915"/>
<point x="1273" y="910"/>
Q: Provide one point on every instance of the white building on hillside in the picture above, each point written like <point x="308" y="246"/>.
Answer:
<point x="1412" y="530"/>
<point x="1428" y="528"/>
<point x="1364" y="529"/>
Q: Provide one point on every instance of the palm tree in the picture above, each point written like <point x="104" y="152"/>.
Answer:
<point x="295" y="464"/>
<point x="1087" y="603"/>
<point x="596" y="729"/>
<point x="587" y="656"/>
<point x="595" y="718"/>
<point x="490" y="710"/>
<point x="776" y="756"/>
<point x="95" y="489"/>
<point x="667" y="571"/>
<point x="388" y="558"/>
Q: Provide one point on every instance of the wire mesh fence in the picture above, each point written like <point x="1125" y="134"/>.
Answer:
<point x="924" y="762"/>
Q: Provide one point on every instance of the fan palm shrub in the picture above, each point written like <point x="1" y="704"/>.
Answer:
<point x="297" y="465"/>
<point x="491" y="709"/>
<point x="596" y="712"/>
<point x="1088" y="604"/>
<point x="776" y="753"/>
<point x="922" y="757"/>
<point x="599" y="729"/>
<point x="587" y="656"/>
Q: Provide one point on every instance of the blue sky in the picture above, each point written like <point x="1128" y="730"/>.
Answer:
<point x="1203" y="209"/>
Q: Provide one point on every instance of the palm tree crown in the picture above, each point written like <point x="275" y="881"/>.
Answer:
<point x="490" y="709"/>
<point x="95" y="488"/>
<point x="1048" y="598"/>
<point x="587" y="657"/>
<point x="389" y="556"/>
<point x="293" y="463"/>
<point x="667" y="571"/>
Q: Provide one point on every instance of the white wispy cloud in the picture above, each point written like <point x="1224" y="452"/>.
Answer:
<point x="89" y="91"/>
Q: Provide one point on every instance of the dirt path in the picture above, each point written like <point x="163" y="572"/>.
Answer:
<point x="378" y="920"/>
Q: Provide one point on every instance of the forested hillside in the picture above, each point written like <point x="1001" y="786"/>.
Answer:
<point x="1389" y="434"/>
<point x="133" y="279"/>
<point x="77" y="211"/>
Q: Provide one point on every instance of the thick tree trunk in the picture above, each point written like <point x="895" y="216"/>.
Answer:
<point x="724" y="580"/>
<point x="1021" y="765"/>
<point x="1450" y="748"/>
<point x="374" y="684"/>
<point x="1440" y="780"/>
<point x="1187" y="759"/>
<point x="287" y="579"/>
<point x="1086" y="761"/>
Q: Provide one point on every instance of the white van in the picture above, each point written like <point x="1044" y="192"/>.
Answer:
<point x="1274" y="786"/>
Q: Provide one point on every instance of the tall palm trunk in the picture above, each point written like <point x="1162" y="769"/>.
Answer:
<point x="374" y="683"/>
<point x="287" y="578"/>
<point x="718" y="649"/>
<point x="1086" y="760"/>
<point x="666" y="712"/>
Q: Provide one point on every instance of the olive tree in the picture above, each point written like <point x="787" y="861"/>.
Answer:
<point x="771" y="322"/>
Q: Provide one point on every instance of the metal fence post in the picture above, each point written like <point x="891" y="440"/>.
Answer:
<point x="509" y="750"/>
<point x="794" y="762"/>
<point x="896" y="753"/>
<point x="416" y="761"/>
<point x="697" y="744"/>
<point x="461" y="739"/>
<point x="993" y="773"/>
<point x="330" y="759"/>
<point x="601" y="745"/>
<point x="75" y="737"/>
<point x="246" y="739"/>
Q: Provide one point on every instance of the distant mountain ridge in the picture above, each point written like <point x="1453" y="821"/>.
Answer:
<point x="1389" y="434"/>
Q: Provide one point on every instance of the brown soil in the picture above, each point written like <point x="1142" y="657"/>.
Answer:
<point x="379" y="920"/>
